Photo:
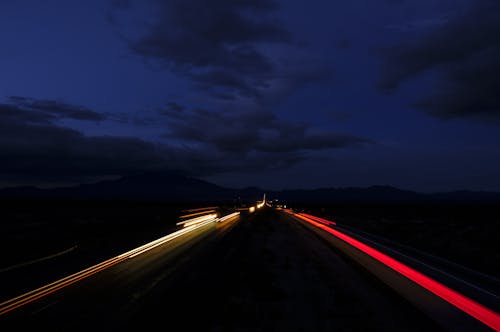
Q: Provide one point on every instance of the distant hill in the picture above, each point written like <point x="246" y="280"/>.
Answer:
<point x="174" y="187"/>
<point x="151" y="186"/>
<point x="385" y="194"/>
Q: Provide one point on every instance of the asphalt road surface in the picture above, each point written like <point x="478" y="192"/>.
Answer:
<point x="259" y="272"/>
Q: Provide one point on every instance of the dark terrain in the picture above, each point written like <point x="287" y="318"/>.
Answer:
<point x="86" y="224"/>
<point x="266" y="273"/>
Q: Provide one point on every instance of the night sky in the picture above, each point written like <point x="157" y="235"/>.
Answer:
<point x="276" y="94"/>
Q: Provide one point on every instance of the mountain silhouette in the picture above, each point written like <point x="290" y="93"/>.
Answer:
<point x="174" y="187"/>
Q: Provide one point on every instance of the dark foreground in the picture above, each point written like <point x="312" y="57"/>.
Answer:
<point x="262" y="272"/>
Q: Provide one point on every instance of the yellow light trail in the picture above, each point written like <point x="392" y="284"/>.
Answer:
<point x="229" y="216"/>
<point x="35" y="294"/>
<point x="197" y="220"/>
<point x="196" y="214"/>
<point x="200" y="209"/>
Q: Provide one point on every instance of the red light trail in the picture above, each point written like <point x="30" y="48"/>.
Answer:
<point x="318" y="219"/>
<point x="467" y="305"/>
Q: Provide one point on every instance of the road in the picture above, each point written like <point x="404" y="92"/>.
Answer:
<point x="260" y="272"/>
<point x="431" y="288"/>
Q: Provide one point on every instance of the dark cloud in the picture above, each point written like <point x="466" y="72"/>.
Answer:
<point x="48" y="153"/>
<point x="120" y="4"/>
<point x="343" y="44"/>
<point x="54" y="109"/>
<point x="12" y="114"/>
<point x="190" y="34"/>
<point x="174" y="107"/>
<point x="254" y="131"/>
<point x="228" y="49"/>
<point x="34" y="146"/>
<point x="48" y="150"/>
<point x="215" y="80"/>
<point x="466" y="53"/>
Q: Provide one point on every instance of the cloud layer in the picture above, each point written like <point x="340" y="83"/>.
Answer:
<point x="228" y="49"/>
<point x="35" y="146"/>
<point x="253" y="131"/>
<point x="241" y="61"/>
<point x="466" y="53"/>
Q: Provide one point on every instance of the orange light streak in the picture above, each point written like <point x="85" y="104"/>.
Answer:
<point x="40" y="292"/>
<point x="196" y="214"/>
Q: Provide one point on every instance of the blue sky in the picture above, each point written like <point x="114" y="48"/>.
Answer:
<point x="277" y="94"/>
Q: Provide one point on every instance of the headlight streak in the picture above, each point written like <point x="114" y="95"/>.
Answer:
<point x="197" y="220"/>
<point x="201" y="209"/>
<point x="156" y="243"/>
<point x="196" y="214"/>
<point x="35" y="294"/>
<point x="40" y="292"/>
<point x="229" y="216"/>
<point x="465" y="304"/>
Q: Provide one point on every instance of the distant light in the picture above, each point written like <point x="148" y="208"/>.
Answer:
<point x="251" y="209"/>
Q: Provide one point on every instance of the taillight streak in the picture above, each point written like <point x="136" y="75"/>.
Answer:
<point x="467" y="305"/>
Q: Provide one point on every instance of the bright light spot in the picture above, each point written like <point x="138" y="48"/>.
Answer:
<point x="251" y="209"/>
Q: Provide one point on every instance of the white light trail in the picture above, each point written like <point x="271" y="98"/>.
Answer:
<point x="197" y="220"/>
<point x="40" y="292"/>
